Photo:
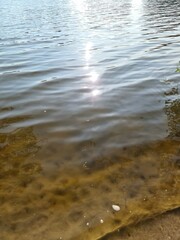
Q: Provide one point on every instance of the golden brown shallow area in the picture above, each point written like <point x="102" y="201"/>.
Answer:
<point x="76" y="203"/>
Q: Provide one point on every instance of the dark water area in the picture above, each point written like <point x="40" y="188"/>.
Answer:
<point x="89" y="116"/>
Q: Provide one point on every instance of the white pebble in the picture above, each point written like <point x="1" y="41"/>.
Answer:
<point x="116" y="208"/>
<point x="101" y="221"/>
<point x="87" y="223"/>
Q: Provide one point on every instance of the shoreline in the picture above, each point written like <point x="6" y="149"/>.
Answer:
<point x="161" y="227"/>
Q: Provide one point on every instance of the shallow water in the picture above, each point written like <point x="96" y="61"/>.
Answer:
<point x="89" y="115"/>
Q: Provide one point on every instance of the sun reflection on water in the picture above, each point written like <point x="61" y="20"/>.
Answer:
<point x="88" y="49"/>
<point x="80" y="5"/>
<point x="93" y="75"/>
<point x="136" y="9"/>
<point x="88" y="54"/>
<point x="95" y="92"/>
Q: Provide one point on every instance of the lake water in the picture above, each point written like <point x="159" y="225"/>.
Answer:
<point x="89" y="116"/>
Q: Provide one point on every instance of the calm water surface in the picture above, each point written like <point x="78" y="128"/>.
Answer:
<point x="89" y="115"/>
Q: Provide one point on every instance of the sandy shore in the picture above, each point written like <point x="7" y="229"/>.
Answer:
<point x="163" y="227"/>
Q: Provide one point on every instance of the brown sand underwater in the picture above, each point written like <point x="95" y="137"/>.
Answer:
<point x="77" y="203"/>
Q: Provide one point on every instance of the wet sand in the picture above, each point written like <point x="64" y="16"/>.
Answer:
<point x="165" y="226"/>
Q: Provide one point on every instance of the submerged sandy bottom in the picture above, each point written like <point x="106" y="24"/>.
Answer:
<point x="78" y="203"/>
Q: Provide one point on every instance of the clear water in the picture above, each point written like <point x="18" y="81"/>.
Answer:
<point x="89" y="115"/>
